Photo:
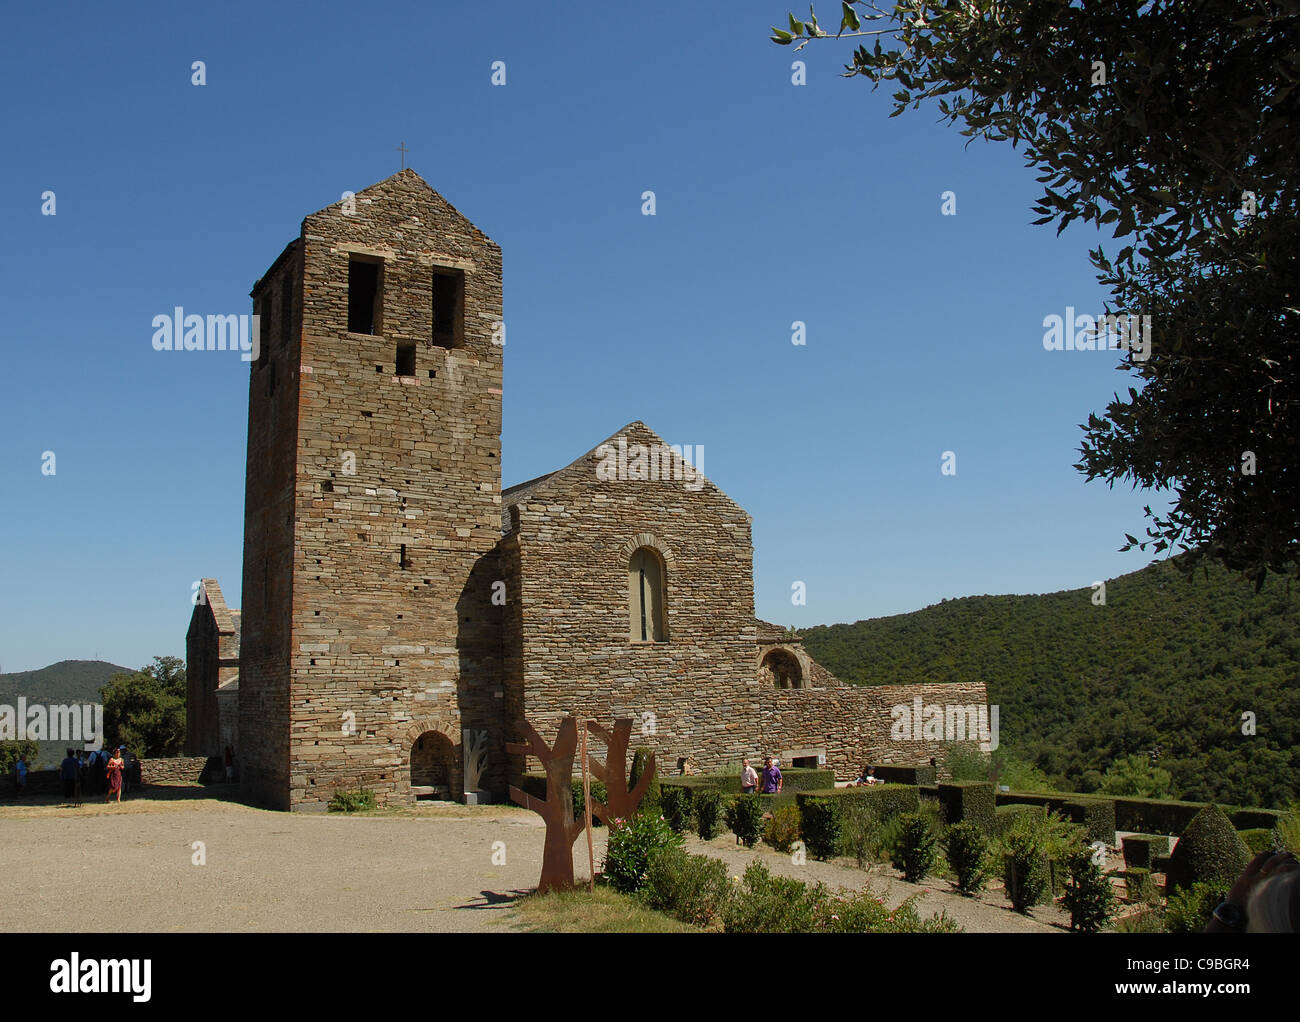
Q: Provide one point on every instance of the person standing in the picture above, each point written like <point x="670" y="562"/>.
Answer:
<point x="748" y="777"/>
<point x="20" y="774"/>
<point x="772" y="780"/>
<point x="115" y="766"/>
<point x="68" y="771"/>
<point x="230" y="764"/>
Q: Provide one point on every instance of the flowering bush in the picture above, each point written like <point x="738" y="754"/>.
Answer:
<point x="631" y="843"/>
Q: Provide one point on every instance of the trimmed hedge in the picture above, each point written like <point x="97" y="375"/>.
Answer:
<point x="1003" y="815"/>
<point x="1255" y="819"/>
<point x="1142" y="850"/>
<point x="885" y="800"/>
<point x="968" y="802"/>
<point x="1144" y="815"/>
<point x="1097" y="815"/>
<point x="1209" y="851"/>
<point x="1258" y="839"/>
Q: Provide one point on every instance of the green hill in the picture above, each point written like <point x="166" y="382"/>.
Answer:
<point x="1168" y="662"/>
<point x="68" y="681"/>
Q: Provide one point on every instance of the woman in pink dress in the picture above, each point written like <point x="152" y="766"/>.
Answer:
<point x="115" y="766"/>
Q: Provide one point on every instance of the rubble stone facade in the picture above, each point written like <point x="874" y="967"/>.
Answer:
<point x="394" y="597"/>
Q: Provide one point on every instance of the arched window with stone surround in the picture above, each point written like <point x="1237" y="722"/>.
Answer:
<point x="646" y="591"/>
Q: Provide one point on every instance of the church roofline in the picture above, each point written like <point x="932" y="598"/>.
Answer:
<point x="540" y="484"/>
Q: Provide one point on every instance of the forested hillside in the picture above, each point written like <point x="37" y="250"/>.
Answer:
<point x="1169" y="663"/>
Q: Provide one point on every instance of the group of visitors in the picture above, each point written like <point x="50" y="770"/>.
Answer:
<point x="769" y="782"/>
<point x="107" y="772"/>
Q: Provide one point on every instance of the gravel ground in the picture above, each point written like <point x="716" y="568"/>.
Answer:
<point x="427" y="868"/>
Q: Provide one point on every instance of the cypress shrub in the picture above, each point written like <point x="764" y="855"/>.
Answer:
<point x="707" y="803"/>
<point x="1088" y="895"/>
<point x="744" y="815"/>
<point x="967" y="849"/>
<point x="819" y="822"/>
<point x="1210" y="851"/>
<point x="916" y="849"/>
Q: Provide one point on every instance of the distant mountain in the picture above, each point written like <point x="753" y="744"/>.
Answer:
<point x="68" y="681"/>
<point x="1168" y="662"/>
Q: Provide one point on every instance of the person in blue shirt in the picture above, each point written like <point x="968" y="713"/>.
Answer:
<point x="20" y="771"/>
<point x="68" y="771"/>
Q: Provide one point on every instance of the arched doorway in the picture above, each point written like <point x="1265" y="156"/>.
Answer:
<point x="780" y="669"/>
<point x="433" y="760"/>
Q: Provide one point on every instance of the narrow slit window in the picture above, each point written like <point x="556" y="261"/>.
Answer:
<point x="286" y="310"/>
<point x="448" y="308"/>
<point x="406" y="359"/>
<point x="365" y="295"/>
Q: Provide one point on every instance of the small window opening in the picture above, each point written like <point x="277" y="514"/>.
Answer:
<point x="404" y="562"/>
<point x="448" y="308"/>
<point x="365" y="295"/>
<point x="406" y="359"/>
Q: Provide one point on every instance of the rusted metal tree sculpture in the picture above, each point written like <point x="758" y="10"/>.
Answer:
<point x="561" y="828"/>
<point x="612" y="773"/>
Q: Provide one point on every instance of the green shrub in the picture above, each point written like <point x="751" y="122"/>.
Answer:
<point x="1096" y="816"/>
<point x="1003" y="815"/>
<point x="744" y="816"/>
<point x="770" y="904"/>
<point x="1148" y="920"/>
<point x="1088" y="896"/>
<point x="886" y="800"/>
<point x="1141" y="850"/>
<point x="819" y="822"/>
<point x="707" y="804"/>
<point x="650" y="801"/>
<point x="675" y="805"/>
<point x="1025" y="847"/>
<point x="967" y="849"/>
<point x="352" y="801"/>
<point x="859" y="832"/>
<point x="782" y="828"/>
<point x="1286" y="832"/>
<point x="1209" y="851"/>
<point x="916" y="848"/>
<point x="599" y="793"/>
<point x="968" y="802"/>
<point x="861" y="913"/>
<point x="1139" y="887"/>
<point x="692" y="888"/>
<point x="630" y="845"/>
<point x="1257" y="839"/>
<point x="1188" y="910"/>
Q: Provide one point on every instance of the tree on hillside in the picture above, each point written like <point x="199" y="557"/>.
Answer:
<point x="1136" y="777"/>
<point x="1174" y="125"/>
<point x="11" y="749"/>
<point x="145" y="711"/>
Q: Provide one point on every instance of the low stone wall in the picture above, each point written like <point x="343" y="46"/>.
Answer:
<point x="173" y="770"/>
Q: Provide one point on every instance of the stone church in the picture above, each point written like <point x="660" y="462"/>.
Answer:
<point x="402" y="613"/>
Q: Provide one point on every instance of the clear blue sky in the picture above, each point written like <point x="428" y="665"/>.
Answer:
<point x="775" y="203"/>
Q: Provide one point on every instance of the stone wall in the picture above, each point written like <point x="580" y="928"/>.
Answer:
<point x="211" y="659"/>
<point x="173" y="770"/>
<point x="381" y="567"/>
<point x="569" y="608"/>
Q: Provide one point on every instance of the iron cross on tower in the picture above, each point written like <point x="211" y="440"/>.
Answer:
<point x="403" y="150"/>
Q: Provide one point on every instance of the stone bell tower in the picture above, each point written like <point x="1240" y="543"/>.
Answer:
<point x="373" y="504"/>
